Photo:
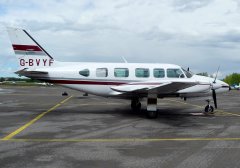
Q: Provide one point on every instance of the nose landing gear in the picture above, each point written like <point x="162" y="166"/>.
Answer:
<point x="209" y="110"/>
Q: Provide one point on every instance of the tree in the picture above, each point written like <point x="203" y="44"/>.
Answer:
<point x="232" y="79"/>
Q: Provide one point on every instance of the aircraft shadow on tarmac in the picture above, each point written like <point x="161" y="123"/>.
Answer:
<point x="170" y="116"/>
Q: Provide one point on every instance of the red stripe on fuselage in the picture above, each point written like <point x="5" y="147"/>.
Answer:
<point x="85" y="82"/>
<point x="26" y="47"/>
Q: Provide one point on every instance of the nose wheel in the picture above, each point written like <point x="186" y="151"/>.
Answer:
<point x="209" y="110"/>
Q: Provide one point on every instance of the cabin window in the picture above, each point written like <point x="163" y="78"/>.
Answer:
<point x="84" y="72"/>
<point x="121" y="72"/>
<point x="102" y="72"/>
<point x="158" y="73"/>
<point x="175" y="73"/>
<point x="142" y="72"/>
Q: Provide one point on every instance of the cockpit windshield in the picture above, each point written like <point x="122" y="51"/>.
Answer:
<point x="175" y="73"/>
<point x="187" y="73"/>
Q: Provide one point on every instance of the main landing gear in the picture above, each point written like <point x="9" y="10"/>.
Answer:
<point x="209" y="110"/>
<point x="136" y="104"/>
<point x="151" y="106"/>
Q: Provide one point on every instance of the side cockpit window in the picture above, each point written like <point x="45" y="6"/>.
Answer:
<point x="84" y="72"/>
<point x="102" y="72"/>
<point x="175" y="73"/>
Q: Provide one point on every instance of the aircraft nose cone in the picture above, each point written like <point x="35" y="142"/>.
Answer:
<point x="225" y="85"/>
<point x="216" y="86"/>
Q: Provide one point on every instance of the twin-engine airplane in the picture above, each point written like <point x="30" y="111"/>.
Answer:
<point x="132" y="81"/>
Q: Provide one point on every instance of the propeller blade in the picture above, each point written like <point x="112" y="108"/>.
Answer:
<point x="214" y="98"/>
<point x="216" y="75"/>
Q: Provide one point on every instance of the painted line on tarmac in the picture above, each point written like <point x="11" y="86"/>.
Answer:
<point x="185" y="103"/>
<point x="102" y="104"/>
<point x="119" y="140"/>
<point x="228" y="113"/>
<point x="16" y="94"/>
<point x="19" y="130"/>
<point x="220" y="112"/>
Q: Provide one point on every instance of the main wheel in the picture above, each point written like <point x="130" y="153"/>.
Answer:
<point x="136" y="105"/>
<point x="64" y="94"/>
<point x="209" y="110"/>
<point x="152" y="114"/>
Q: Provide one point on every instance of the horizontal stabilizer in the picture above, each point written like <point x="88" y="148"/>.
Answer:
<point x="25" y="72"/>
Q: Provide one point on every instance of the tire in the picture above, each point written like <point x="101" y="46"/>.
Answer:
<point x="64" y="94"/>
<point x="209" y="110"/>
<point x="136" y="106"/>
<point x="133" y="105"/>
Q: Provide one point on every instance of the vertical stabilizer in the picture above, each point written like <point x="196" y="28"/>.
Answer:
<point x="29" y="53"/>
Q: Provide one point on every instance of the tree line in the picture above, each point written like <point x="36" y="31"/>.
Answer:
<point x="2" y="79"/>
<point x="233" y="79"/>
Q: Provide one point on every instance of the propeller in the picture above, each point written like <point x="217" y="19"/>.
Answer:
<point x="213" y="89"/>
<point x="216" y="75"/>
<point x="214" y="98"/>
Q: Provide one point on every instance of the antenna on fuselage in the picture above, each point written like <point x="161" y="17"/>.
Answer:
<point x="125" y="61"/>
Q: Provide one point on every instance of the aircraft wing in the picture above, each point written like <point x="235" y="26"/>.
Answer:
<point x="160" y="88"/>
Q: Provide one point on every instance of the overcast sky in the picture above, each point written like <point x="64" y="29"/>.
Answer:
<point x="200" y="34"/>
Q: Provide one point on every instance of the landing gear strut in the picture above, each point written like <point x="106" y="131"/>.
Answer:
<point x="152" y="106"/>
<point x="209" y="110"/>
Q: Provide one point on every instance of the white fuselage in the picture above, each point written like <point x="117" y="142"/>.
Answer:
<point x="99" y="78"/>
